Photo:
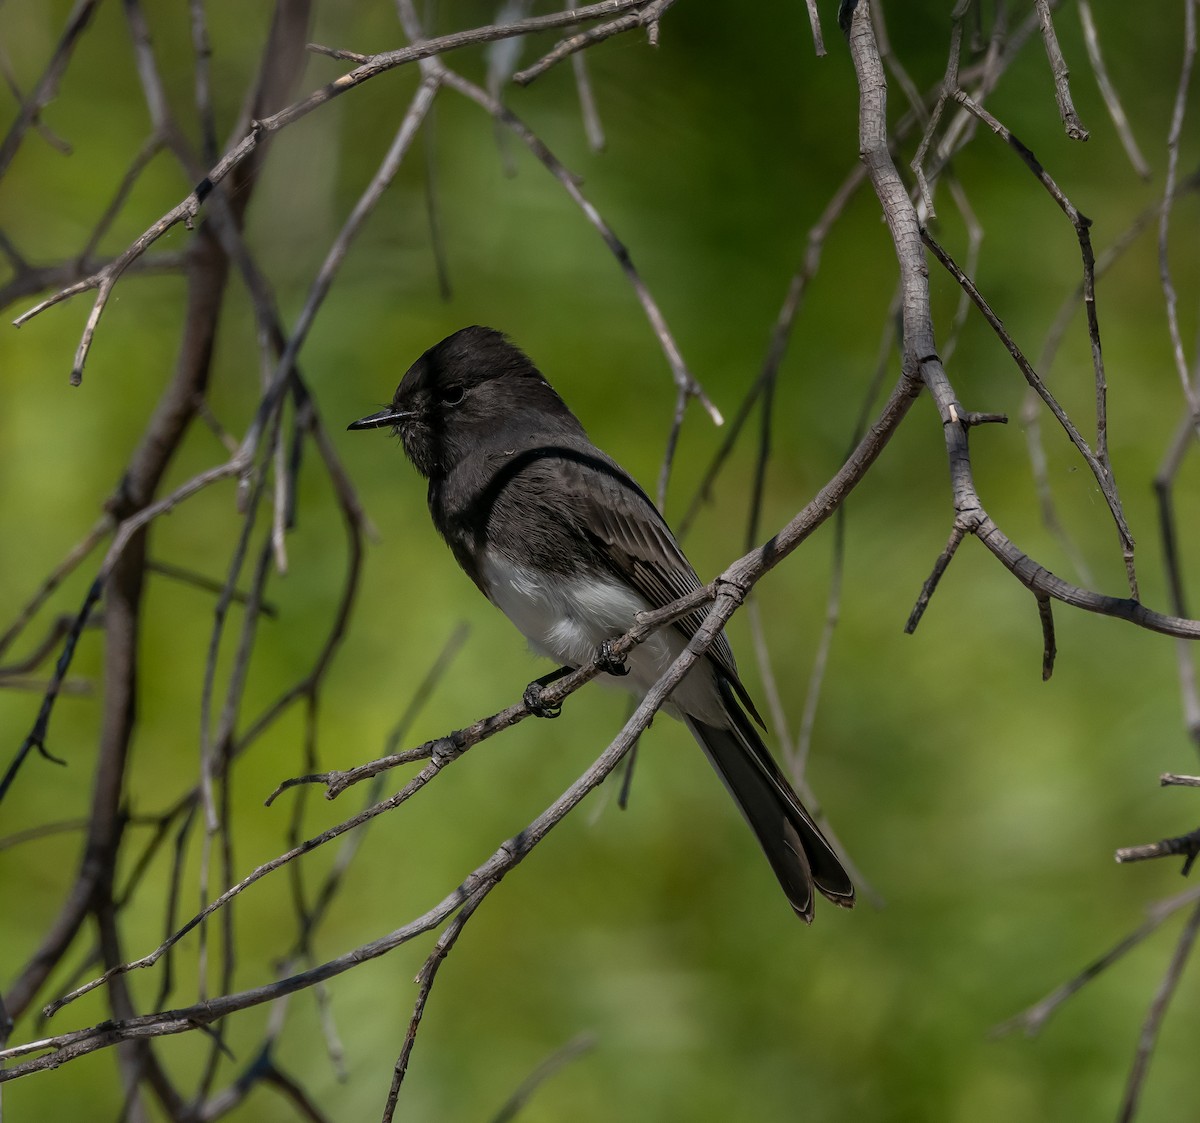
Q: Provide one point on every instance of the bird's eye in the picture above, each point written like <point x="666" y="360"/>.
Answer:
<point x="450" y="395"/>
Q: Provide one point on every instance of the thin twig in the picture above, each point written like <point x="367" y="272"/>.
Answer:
<point x="47" y="86"/>
<point x="561" y="1057"/>
<point x="780" y="336"/>
<point x="1099" y="468"/>
<point x="100" y="529"/>
<point x="425" y="980"/>
<point x="1186" y="844"/>
<point x="945" y="93"/>
<point x="814" y="21"/>
<point x="1058" y="66"/>
<point x="1032" y="1020"/>
<point x="593" y="128"/>
<point x="1173" y="779"/>
<point x="186" y="211"/>
<point x="71" y="1045"/>
<point x="647" y="16"/>
<point x="1108" y="91"/>
<point x="1170" y="298"/>
<point x="1148" y="1038"/>
<point x="685" y="382"/>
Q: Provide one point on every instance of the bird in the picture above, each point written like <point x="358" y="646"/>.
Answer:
<point x="559" y="537"/>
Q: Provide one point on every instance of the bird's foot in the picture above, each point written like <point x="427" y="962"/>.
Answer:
<point x="533" y="695"/>
<point x="533" y="702"/>
<point x="609" y="662"/>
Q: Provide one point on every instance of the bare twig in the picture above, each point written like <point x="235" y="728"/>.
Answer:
<point x="1108" y="91"/>
<point x="1173" y="779"/>
<point x="648" y="14"/>
<point x="1095" y="460"/>
<point x="198" y="581"/>
<point x="780" y="335"/>
<point x="945" y="93"/>
<point x="1154" y="1017"/>
<point x="55" y="578"/>
<point x="1058" y="65"/>
<point x="593" y="128"/>
<point x="425" y="981"/>
<point x="1190" y="394"/>
<point x="686" y="383"/>
<point x="80" y="1043"/>
<point x="260" y="129"/>
<point x="1164" y="483"/>
<point x="921" y="355"/>
<point x="1186" y="844"/>
<point x="576" y="1047"/>
<point x="1031" y="1021"/>
<point x="47" y="86"/>
<point x="814" y="21"/>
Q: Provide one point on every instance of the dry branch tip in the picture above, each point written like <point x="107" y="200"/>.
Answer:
<point x="1171" y="779"/>
<point x="1187" y="845"/>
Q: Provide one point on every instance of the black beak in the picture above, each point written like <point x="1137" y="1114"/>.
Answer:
<point x="378" y="420"/>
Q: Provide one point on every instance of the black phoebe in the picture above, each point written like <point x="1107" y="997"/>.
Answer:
<point x="563" y="541"/>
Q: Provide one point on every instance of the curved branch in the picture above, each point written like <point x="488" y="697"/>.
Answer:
<point x="920" y="351"/>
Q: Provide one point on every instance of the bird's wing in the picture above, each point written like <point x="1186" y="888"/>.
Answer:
<point x="635" y="541"/>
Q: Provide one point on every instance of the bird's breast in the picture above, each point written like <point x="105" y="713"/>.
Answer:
<point x="567" y="618"/>
<point x="564" y="617"/>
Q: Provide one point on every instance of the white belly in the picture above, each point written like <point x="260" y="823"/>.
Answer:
<point x="567" y="619"/>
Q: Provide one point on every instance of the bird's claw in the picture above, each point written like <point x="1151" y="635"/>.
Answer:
<point x="534" y="704"/>
<point x="609" y="662"/>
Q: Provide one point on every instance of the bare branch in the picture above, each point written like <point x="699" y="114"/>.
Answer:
<point x="47" y="86"/>
<point x="1155" y="1015"/>
<point x="425" y="980"/>
<point x="1108" y="91"/>
<point x="814" y="21"/>
<point x="1190" y="393"/>
<point x="686" y="383"/>
<point x="648" y="14"/>
<point x="1058" y="64"/>
<point x="1031" y="1021"/>
<point x="1186" y="844"/>
<point x="576" y="1047"/>
<point x="56" y="577"/>
<point x="1173" y="779"/>
<point x="259" y="130"/>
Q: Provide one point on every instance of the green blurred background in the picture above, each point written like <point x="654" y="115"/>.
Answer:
<point x="982" y="804"/>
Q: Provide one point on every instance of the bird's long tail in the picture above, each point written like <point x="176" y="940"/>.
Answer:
<point x="794" y="845"/>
